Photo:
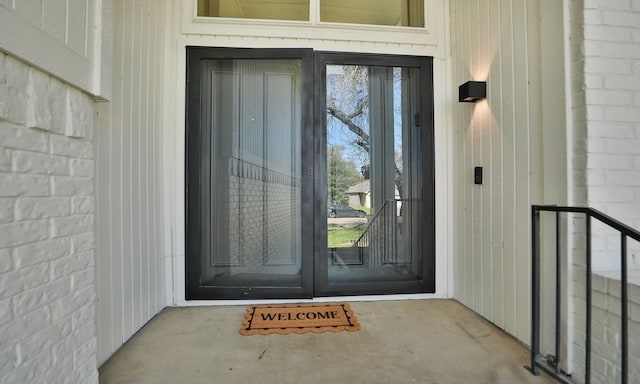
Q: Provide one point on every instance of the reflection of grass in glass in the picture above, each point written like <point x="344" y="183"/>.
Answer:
<point x="343" y="235"/>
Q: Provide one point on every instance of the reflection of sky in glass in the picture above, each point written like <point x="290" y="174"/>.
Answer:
<point x="348" y="85"/>
<point x="397" y="115"/>
<point x="347" y="88"/>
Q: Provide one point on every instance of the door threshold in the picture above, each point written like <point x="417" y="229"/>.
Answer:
<point x="414" y="296"/>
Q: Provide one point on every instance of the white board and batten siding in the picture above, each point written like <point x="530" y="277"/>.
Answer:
<point x="60" y="37"/>
<point x="131" y="278"/>
<point x="500" y="42"/>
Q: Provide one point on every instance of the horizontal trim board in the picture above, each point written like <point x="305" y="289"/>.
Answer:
<point x="38" y="48"/>
<point x="371" y="35"/>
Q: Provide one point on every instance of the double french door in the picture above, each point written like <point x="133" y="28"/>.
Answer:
<point x="308" y="174"/>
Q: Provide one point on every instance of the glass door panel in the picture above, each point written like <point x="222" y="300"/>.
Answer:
<point x="247" y="201"/>
<point x="375" y="219"/>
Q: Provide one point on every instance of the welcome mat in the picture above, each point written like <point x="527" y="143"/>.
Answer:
<point x="299" y="318"/>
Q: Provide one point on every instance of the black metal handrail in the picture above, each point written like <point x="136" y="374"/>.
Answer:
<point x="379" y="240"/>
<point x="372" y="221"/>
<point x="538" y="361"/>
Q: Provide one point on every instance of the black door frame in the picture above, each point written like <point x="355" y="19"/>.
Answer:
<point x="322" y="287"/>
<point x="195" y="290"/>
<point x="314" y="174"/>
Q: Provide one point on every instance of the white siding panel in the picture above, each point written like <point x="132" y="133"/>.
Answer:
<point x="146" y="263"/>
<point x="467" y="174"/>
<point x="507" y="123"/>
<point x="495" y="180"/>
<point x="475" y="132"/>
<point x="115" y="191"/>
<point x="485" y="160"/>
<point x="523" y="186"/>
<point x="157" y="281"/>
<point x="55" y="18"/>
<point x="30" y="11"/>
<point x="130" y="245"/>
<point x="126" y="199"/>
<point x="496" y="41"/>
<point x="136" y="149"/>
<point x="76" y="36"/>
<point x="459" y="290"/>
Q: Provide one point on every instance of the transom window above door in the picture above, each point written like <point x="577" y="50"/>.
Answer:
<point x="401" y="13"/>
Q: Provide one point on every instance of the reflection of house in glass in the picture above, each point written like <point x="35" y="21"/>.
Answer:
<point x="360" y="194"/>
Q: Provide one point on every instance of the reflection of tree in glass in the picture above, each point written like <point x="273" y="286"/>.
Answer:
<point x="348" y="107"/>
<point x="348" y="104"/>
<point x="342" y="174"/>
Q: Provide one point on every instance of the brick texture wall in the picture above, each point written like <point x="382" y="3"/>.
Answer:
<point x="47" y="282"/>
<point x="263" y="236"/>
<point x="612" y="90"/>
<point x="606" y="330"/>
<point x="607" y="168"/>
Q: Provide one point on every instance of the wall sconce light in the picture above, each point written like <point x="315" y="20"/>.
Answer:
<point x="472" y="91"/>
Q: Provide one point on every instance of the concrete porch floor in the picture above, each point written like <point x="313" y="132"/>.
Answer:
<point x="415" y="341"/>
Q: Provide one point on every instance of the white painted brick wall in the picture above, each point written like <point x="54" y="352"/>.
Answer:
<point x="47" y="241"/>
<point x="611" y="83"/>
<point x="606" y="330"/>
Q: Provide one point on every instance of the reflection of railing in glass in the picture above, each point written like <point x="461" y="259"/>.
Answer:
<point x="380" y="237"/>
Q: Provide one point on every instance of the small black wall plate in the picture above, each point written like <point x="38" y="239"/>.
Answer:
<point x="477" y="175"/>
